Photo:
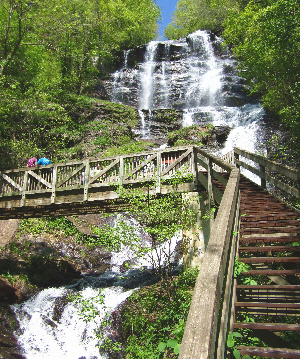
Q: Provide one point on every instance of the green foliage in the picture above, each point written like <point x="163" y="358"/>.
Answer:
<point x="191" y="15"/>
<point x="231" y="344"/>
<point x="265" y="39"/>
<point x="85" y="307"/>
<point x="51" y="51"/>
<point x="50" y="225"/>
<point x="152" y="324"/>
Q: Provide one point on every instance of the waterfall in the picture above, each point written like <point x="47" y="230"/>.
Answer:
<point x="196" y="75"/>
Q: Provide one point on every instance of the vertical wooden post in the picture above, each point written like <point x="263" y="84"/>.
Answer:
<point x="210" y="183"/>
<point x="263" y="181"/>
<point x="25" y="179"/>
<point x="54" y="181"/>
<point x="195" y="167"/>
<point x="236" y="157"/>
<point x="86" y="181"/>
<point x="121" y="170"/>
<point x="158" y="163"/>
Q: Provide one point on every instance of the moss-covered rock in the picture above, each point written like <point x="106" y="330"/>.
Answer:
<point x="207" y="135"/>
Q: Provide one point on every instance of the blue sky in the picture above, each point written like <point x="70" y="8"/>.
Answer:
<point x="167" y="7"/>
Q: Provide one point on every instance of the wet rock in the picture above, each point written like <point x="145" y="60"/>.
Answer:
<point x="7" y="292"/>
<point x="9" y="348"/>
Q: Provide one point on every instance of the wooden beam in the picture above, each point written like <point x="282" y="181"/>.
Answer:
<point x="40" y="179"/>
<point x="73" y="173"/>
<point x="139" y="167"/>
<point x="179" y="159"/>
<point x="102" y="172"/>
<point x="12" y="182"/>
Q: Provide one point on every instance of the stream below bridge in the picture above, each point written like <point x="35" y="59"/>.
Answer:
<point x="195" y="75"/>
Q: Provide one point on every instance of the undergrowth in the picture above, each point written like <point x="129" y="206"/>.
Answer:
<point x="153" y="323"/>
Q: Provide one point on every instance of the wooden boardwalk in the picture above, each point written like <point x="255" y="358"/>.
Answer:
<point x="250" y="223"/>
<point x="91" y="185"/>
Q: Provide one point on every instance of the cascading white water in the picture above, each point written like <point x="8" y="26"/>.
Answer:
<point x="51" y="326"/>
<point x="187" y="75"/>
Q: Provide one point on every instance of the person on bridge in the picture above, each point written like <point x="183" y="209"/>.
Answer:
<point x="43" y="161"/>
<point x="32" y="162"/>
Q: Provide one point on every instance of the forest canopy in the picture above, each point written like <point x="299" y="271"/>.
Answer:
<point x="50" y="49"/>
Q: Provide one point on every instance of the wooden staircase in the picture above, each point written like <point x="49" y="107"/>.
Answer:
<point x="269" y="245"/>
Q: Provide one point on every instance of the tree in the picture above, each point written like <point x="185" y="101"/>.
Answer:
<point x="161" y="217"/>
<point x="265" y="38"/>
<point x="192" y="15"/>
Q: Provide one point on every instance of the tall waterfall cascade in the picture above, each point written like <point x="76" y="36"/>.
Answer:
<point x="196" y="75"/>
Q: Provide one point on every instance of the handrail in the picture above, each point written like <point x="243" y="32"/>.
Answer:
<point x="272" y="166"/>
<point x="210" y="309"/>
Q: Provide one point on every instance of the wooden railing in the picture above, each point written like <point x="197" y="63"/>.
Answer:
<point x="289" y="181"/>
<point x="91" y="179"/>
<point x="207" y="324"/>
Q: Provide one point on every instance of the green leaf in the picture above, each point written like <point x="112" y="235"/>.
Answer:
<point x="161" y="346"/>
<point x="171" y="343"/>
<point x="247" y="356"/>
<point x="177" y="349"/>
<point x="236" y="354"/>
<point x="230" y="342"/>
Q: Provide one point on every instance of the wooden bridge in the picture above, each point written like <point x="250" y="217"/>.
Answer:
<point x="250" y="224"/>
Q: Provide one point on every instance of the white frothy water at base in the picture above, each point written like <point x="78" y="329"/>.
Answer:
<point x="68" y="337"/>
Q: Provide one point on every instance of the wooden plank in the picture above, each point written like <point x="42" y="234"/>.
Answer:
<point x="270" y="352"/>
<point x="269" y="272"/>
<point x="270" y="249"/>
<point x="270" y="260"/>
<point x="73" y="173"/>
<point x="225" y="165"/>
<point x="280" y="327"/>
<point x="40" y="179"/>
<point x="269" y="286"/>
<point x="178" y="160"/>
<point x="139" y="167"/>
<point x="267" y="305"/>
<point x="200" y="333"/>
<point x="12" y="182"/>
<point x="102" y="172"/>
<point x="217" y="194"/>
<point x="24" y="188"/>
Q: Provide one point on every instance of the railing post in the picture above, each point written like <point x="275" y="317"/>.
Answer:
<point x="195" y="167"/>
<point x="263" y="182"/>
<point x="86" y="180"/>
<point x="158" y="163"/>
<point x="210" y="184"/>
<point x="24" y="188"/>
<point x="121" y="170"/>
<point x="236" y="158"/>
<point x="54" y="181"/>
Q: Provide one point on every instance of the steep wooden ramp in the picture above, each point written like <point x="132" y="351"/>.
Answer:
<point x="269" y="245"/>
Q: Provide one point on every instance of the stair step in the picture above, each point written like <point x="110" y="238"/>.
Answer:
<point x="270" y="260"/>
<point x="269" y="249"/>
<point x="270" y="272"/>
<point x="270" y="230"/>
<point x="269" y="352"/>
<point x="277" y="327"/>
<point x="269" y="240"/>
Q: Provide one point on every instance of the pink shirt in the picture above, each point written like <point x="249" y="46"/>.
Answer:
<point x="31" y="162"/>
